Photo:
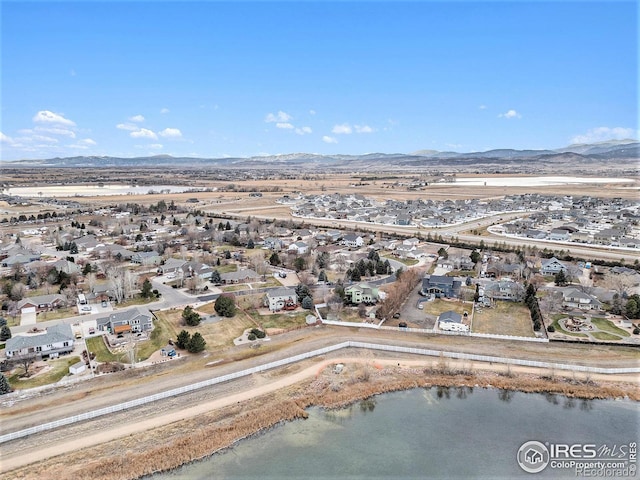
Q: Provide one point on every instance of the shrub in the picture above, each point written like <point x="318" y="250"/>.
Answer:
<point x="636" y="331"/>
<point x="251" y="337"/>
<point x="258" y="333"/>
<point x="551" y="328"/>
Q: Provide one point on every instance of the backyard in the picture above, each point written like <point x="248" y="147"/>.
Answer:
<point x="504" y="318"/>
<point x="439" y="305"/>
<point x="51" y="372"/>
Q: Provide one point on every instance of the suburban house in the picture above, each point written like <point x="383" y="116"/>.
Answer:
<point x="574" y="298"/>
<point x="172" y="265"/>
<point x="552" y="266"/>
<point x="43" y="303"/>
<point x="100" y="293"/>
<point x="559" y="234"/>
<point x="441" y="286"/>
<point x="65" y="266"/>
<point x="57" y="339"/>
<point x="504" y="290"/>
<point x="451" y="321"/>
<point x="146" y="258"/>
<point x="196" y="269"/>
<point x="240" y="276"/>
<point x="352" y="241"/>
<point x="298" y="247"/>
<point x="361" y="293"/>
<point x="273" y="243"/>
<point x="278" y="298"/>
<point x="86" y="243"/>
<point x="134" y="320"/>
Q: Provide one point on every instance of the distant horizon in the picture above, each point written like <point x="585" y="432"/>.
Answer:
<point x="416" y="153"/>
<point x="210" y="79"/>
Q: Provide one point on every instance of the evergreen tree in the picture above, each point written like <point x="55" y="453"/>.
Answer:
<point x="215" y="277"/>
<point x="225" y="306"/>
<point x="190" y="317"/>
<point x="5" y="333"/>
<point x="4" y="385"/>
<point x="196" y="344"/>
<point x="146" y="290"/>
<point x="250" y="244"/>
<point x="560" y="278"/>
<point x="183" y="339"/>
<point x="307" y="303"/>
<point x="274" y="259"/>
<point x="322" y="276"/>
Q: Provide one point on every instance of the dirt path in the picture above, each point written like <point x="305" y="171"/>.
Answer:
<point x="23" y="457"/>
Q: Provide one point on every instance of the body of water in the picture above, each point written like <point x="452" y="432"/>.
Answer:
<point x="441" y="433"/>
<point x="93" y="190"/>
<point x="542" y="181"/>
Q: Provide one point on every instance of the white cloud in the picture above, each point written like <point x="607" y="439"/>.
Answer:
<point x="156" y="146"/>
<point x="45" y="116"/>
<point x="280" y="117"/>
<point x="87" y="141"/>
<point x="510" y="114"/>
<point x="601" y="134"/>
<point x="164" y="110"/>
<point x="44" y="139"/>
<point x="285" y="125"/>
<point x="127" y="126"/>
<point x="344" y="129"/>
<point x="57" y="131"/>
<point x="143" y="133"/>
<point x="312" y="112"/>
<point x="482" y="107"/>
<point x="303" y="130"/>
<point x="170" y="133"/>
<point x="328" y="139"/>
<point x="363" y="128"/>
<point x="72" y="72"/>
<point x="137" y="118"/>
<point x="5" y="139"/>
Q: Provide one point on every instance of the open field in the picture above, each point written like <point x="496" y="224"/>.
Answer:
<point x="505" y="318"/>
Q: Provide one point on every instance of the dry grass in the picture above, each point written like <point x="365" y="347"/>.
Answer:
<point x="505" y="318"/>
<point x="439" y="306"/>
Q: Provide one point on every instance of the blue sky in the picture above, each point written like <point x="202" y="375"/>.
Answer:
<point x="215" y="79"/>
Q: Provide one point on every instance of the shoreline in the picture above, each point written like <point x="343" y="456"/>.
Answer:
<point x="165" y="447"/>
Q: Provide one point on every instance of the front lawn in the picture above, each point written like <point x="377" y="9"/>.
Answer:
<point x="57" y="314"/>
<point x="135" y="301"/>
<point x="58" y="369"/>
<point x="505" y="318"/>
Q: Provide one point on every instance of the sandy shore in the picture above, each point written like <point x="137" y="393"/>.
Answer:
<point x="143" y="446"/>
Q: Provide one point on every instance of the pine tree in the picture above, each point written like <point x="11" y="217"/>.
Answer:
<point x="196" y="344"/>
<point x="4" y="385"/>
<point x="183" y="339"/>
<point x="5" y="333"/>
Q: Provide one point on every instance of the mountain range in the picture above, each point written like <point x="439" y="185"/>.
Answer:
<point x="622" y="151"/>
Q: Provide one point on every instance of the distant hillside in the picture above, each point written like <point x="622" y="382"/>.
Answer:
<point x="519" y="160"/>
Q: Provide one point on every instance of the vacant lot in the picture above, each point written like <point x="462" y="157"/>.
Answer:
<point x="505" y="318"/>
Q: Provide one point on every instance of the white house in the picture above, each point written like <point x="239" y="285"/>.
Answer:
<point x="352" y="241"/>
<point x="298" y="247"/>
<point x="574" y="298"/>
<point x="277" y="298"/>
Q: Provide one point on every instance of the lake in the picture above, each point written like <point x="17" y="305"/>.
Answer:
<point x="425" y="433"/>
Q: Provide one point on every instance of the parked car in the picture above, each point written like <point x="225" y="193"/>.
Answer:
<point x="396" y="315"/>
<point x="92" y="331"/>
<point x="282" y="275"/>
<point x="420" y="306"/>
<point x="402" y="325"/>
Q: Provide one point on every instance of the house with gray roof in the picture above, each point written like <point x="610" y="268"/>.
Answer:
<point x="57" y="339"/>
<point x="552" y="266"/>
<point x="574" y="298"/>
<point x="133" y="320"/>
<point x="43" y="303"/>
<point x="441" y="286"/>
<point x="245" y="275"/>
<point x="278" y="298"/>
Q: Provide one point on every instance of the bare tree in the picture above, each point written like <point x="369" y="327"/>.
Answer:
<point x="24" y="360"/>
<point x="620" y="284"/>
